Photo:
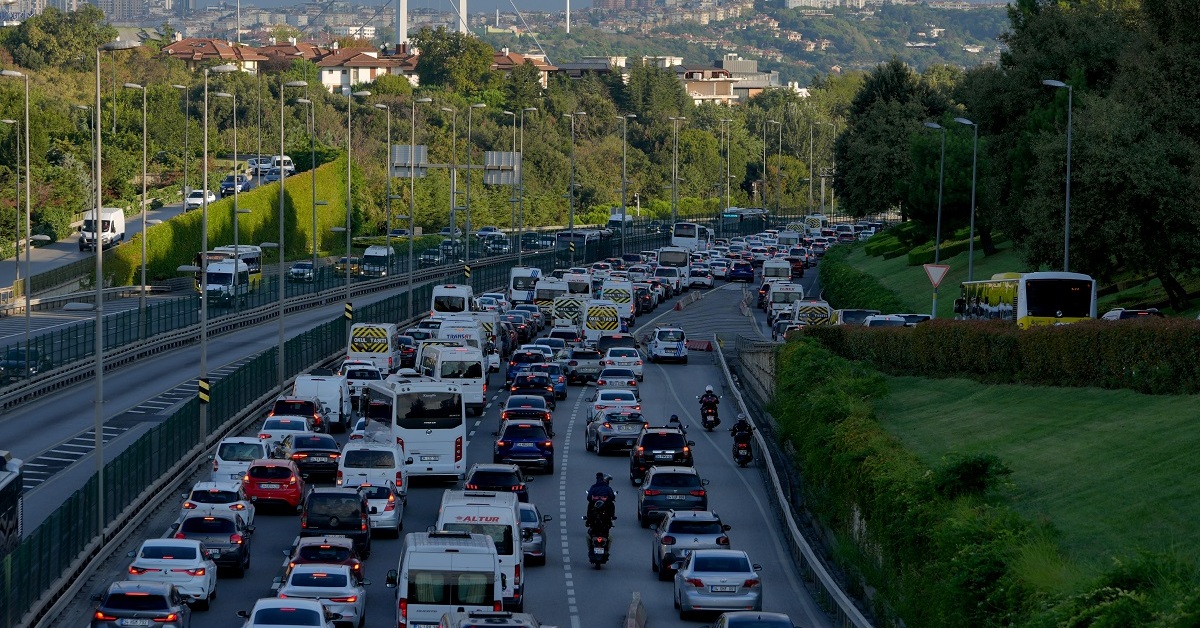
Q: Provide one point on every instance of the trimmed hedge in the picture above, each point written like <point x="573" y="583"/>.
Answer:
<point x="1160" y="356"/>
<point x="844" y="286"/>
<point x="882" y="244"/>
<point x="924" y="254"/>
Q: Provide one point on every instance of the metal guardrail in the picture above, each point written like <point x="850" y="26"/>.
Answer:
<point x="829" y="594"/>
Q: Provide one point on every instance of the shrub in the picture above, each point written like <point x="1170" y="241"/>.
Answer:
<point x="969" y="475"/>
<point x="882" y="244"/>
<point x="847" y="287"/>
<point x="925" y="253"/>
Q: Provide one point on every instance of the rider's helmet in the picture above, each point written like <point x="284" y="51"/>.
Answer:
<point x="599" y="476"/>
<point x="741" y="417"/>
<point x="708" y="389"/>
<point x="674" y="418"/>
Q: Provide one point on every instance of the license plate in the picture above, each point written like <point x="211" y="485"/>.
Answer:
<point x="628" y="428"/>
<point x="722" y="588"/>
<point x="429" y="458"/>
<point x="662" y="456"/>
<point x="675" y="496"/>
<point x="269" y="485"/>
<point x="318" y="459"/>
<point x="235" y="476"/>
<point x="598" y="551"/>
<point x="212" y="552"/>
<point x="135" y="622"/>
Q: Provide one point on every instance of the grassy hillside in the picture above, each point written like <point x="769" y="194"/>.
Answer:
<point x="1113" y="471"/>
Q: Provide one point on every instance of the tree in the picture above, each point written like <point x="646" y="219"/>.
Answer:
<point x="391" y="85"/>
<point x="55" y="38"/>
<point x="523" y="86"/>
<point x="457" y="61"/>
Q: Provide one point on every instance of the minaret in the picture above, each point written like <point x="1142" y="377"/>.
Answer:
<point x="401" y="24"/>
<point x="568" y="17"/>
<point x="462" y="16"/>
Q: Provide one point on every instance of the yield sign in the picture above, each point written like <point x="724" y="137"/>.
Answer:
<point x="936" y="273"/>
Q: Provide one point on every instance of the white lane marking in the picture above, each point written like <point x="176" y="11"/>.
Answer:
<point x="572" y="608"/>
<point x="762" y="511"/>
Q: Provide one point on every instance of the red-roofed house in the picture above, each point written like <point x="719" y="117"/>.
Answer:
<point x="200" y="51"/>
<point x="345" y="67"/>
<point x="504" y="61"/>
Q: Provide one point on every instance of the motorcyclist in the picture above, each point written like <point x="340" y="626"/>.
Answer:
<point x="600" y="515"/>
<point x="601" y="489"/>
<point x="675" y="422"/>
<point x="709" y="399"/>
<point x="741" y="430"/>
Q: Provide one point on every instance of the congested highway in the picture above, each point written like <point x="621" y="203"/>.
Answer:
<point x="567" y="591"/>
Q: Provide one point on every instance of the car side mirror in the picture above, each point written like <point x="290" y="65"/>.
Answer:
<point x="691" y="443"/>
<point x="249" y="528"/>
<point x="276" y="581"/>
<point x="756" y="567"/>
<point x="529" y="479"/>
<point x="131" y="553"/>
<point x="495" y="433"/>
<point x="390" y="580"/>
<point x="726" y="527"/>
<point x="366" y="583"/>
<point x="654" y="527"/>
<point x="408" y="460"/>
<point x="286" y="553"/>
<point x="676" y="566"/>
<point x="546" y="518"/>
<point x="703" y="482"/>
<point x="244" y="614"/>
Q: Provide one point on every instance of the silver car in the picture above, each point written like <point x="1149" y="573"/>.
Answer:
<point x="682" y="532"/>
<point x="717" y="580"/>
<point x="613" y="429"/>
<point x="385" y="507"/>
<point x="338" y="590"/>
<point x="616" y="378"/>
<point x="533" y="534"/>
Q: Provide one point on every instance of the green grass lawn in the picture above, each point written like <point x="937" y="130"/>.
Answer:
<point x="1114" y="471"/>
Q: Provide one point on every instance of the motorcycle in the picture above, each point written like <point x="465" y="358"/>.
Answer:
<point x="708" y="416"/>
<point x="598" y="546"/>
<point x="742" y="454"/>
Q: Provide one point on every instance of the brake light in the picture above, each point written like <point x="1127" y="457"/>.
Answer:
<point x="633" y="382"/>
<point x="137" y="571"/>
<point x="668" y="540"/>
<point x="339" y="477"/>
<point x="752" y="582"/>
<point x="501" y="443"/>
<point x="722" y="540"/>
<point x="264" y="436"/>
<point x="607" y="426"/>
<point x="391" y="505"/>
<point x="548" y="443"/>
<point x="344" y="600"/>
<point x="179" y="535"/>
<point x="299" y="456"/>
<point x="472" y="486"/>
<point x="516" y="575"/>
<point x="600" y="382"/>
<point x="99" y="616"/>
<point x="497" y="606"/>
<point x="236" y="539"/>
<point x="399" y="441"/>
<point x="600" y="540"/>
<point x="686" y="449"/>
<point x="458" y="449"/>
<point x="399" y="479"/>
<point x="291" y="480"/>
<point x="199" y="571"/>
<point x="169" y="618"/>
<point x="639" y="362"/>
<point x="237" y="506"/>
<point x="697" y="493"/>
<point x="650" y="492"/>
<point x="214" y="465"/>
<point x="188" y="505"/>
<point x="403" y="607"/>
<point x="363" y="527"/>
<point x="696" y="582"/>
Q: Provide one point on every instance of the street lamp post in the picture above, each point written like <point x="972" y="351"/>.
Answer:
<point x="974" y="166"/>
<point x="467" y="229"/>
<point x="312" y="143"/>
<point x="187" y="112"/>
<point x="779" y="174"/>
<point x="349" y="107"/>
<point x="412" y="204"/>
<point x="571" y="191"/>
<point x="521" y="187"/>
<point x="99" y="333"/>
<point x="624" y="179"/>
<point x="17" y="188"/>
<point x="675" y="120"/>
<point x="1067" y="216"/>
<point x="453" y="170"/>
<point x="810" y="167"/>
<point x="387" y="146"/>
<point x="512" y="200"/>
<point x="765" y="197"/>
<point x="145" y="233"/>
<point x="937" y="237"/>
<point x="726" y="122"/>
<point x="29" y="237"/>
<point x="281" y="359"/>
<point x="236" y="210"/>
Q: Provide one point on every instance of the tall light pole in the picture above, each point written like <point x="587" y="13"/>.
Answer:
<point x="412" y="204"/>
<point x="571" y="191"/>
<point x="453" y="170"/>
<point x="521" y="186"/>
<point x="467" y="229"/>
<point x="236" y="209"/>
<point x="387" y="155"/>
<point x="779" y="173"/>
<point x="29" y="237"/>
<point x="312" y="146"/>
<point x="810" y="167"/>
<point x="725" y="123"/>
<point x="937" y="238"/>
<point x="187" y="109"/>
<point x="99" y="333"/>
<point x="512" y="200"/>
<point x="974" y="166"/>
<point x="17" y="188"/>
<point x="624" y="179"/>
<point x="349" y="107"/>
<point x="280" y="358"/>
<point x="1067" y="216"/>
<point x="675" y="120"/>
<point x="145" y="232"/>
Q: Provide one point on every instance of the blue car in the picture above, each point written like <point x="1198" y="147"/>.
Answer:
<point x="557" y="377"/>
<point x="526" y="443"/>
<point x="520" y="360"/>
<point x="741" y="271"/>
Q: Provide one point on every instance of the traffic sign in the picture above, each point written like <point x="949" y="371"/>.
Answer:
<point x="349" y="311"/>
<point x="936" y="273"/>
<point x="203" y="390"/>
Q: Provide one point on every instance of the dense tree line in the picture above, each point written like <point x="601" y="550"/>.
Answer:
<point x="1131" y="68"/>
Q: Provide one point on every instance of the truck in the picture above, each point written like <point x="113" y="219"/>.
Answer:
<point x="376" y="261"/>
<point x="334" y="393"/>
<point x="112" y="228"/>
<point x="600" y="316"/>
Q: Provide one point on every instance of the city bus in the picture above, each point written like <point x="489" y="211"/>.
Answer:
<point x="248" y="254"/>
<point x="522" y="283"/>
<point x="690" y="236"/>
<point x="427" y="418"/>
<point x="580" y="237"/>
<point x="1028" y="299"/>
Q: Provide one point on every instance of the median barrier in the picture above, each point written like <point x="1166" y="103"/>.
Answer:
<point x="635" y="617"/>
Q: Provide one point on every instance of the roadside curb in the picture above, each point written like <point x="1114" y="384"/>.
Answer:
<point x="635" y="617"/>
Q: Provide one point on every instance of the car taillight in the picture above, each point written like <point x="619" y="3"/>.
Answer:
<point x="572" y="363"/>
<point x="399" y="479"/>
<point x="137" y="571"/>
<point x="668" y="540"/>
<point x="299" y="456"/>
<point x="697" y="493"/>
<point x="722" y="540"/>
<point x="264" y="436"/>
<point x="601" y="382"/>
<point x="199" y="571"/>
<point x="344" y="600"/>
<point x="291" y="480"/>
<point x="696" y="582"/>
<point x="600" y="540"/>
<point x="650" y="492"/>
<point x="607" y="426"/>
<point x="236" y="539"/>
<point x="752" y="582"/>
<point x="402" y="605"/>
<point x="179" y="535"/>
<point x="391" y="505"/>
<point x="399" y="441"/>
<point x="501" y="443"/>
<point x="516" y="575"/>
<point x="497" y="606"/>
<point x="364" y="524"/>
<point x="471" y="486"/>
<point x="214" y="465"/>
<point x="561" y="379"/>
<point x="188" y="505"/>
<point x="633" y="382"/>
<point x="504" y="415"/>
<point x="547" y="443"/>
<point x="686" y="449"/>
<point x="246" y="478"/>
<point x="458" y="449"/>
<point x="237" y="506"/>
<point x="339" y="477"/>
<point x="100" y="616"/>
<point x="303" y="519"/>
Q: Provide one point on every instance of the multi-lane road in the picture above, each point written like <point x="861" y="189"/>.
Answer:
<point x="566" y="591"/>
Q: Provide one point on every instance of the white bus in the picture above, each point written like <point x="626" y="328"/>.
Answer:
<point x="465" y="366"/>
<point x="451" y="299"/>
<point x="428" y="418"/>
<point x="578" y="285"/>
<point x="581" y="238"/>
<point x="522" y="281"/>
<point x="690" y="236"/>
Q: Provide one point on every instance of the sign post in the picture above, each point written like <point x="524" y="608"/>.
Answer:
<point x="936" y="273"/>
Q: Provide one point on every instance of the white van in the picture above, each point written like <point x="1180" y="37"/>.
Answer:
<point x="373" y="462"/>
<point x="451" y="299"/>
<point x="440" y="572"/>
<point x="377" y="343"/>
<point x="777" y="268"/>
<point x="668" y="343"/>
<point x="376" y="261"/>
<point x="333" y="392"/>
<point x="228" y="282"/>
<point x="234" y="455"/>
<point x="112" y="228"/>
<point x="496" y="515"/>
<point x="283" y="162"/>
<point x="465" y="366"/>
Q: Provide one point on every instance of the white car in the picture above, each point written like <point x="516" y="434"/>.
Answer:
<point x="500" y="299"/>
<point x="700" y="277"/>
<point x="619" y="378"/>
<point x="334" y="586"/>
<point x="234" y="455"/>
<point x="289" y="613"/>
<point x="195" y="199"/>
<point x="884" y="320"/>
<point x="488" y="304"/>
<point x="544" y="349"/>
<point x="605" y="399"/>
<point x="210" y="496"/>
<point x="625" y="357"/>
<point x="276" y="427"/>
<point x="179" y="562"/>
<point x="719" y="268"/>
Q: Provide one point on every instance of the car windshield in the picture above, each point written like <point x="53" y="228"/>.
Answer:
<point x="529" y="357"/>
<point x="531" y="381"/>
<point x="208" y="525"/>
<point x="368" y="459"/>
<point x="240" y="452"/>
<point x="662" y="440"/>
<point x="524" y="432"/>
<point x="616" y="373"/>
<point x="461" y="369"/>
<point x="169" y="552"/>
<point x="686" y="526"/>
<point x="214" y="496"/>
<point x="675" y="480"/>
<point x="299" y="407"/>
<point x="334" y="505"/>
<point x="670" y="336"/>
<point x="623" y="353"/>
<point x="288" y="616"/>
<point x="315" y="441"/>
<point x="500" y="534"/>
<point x="624" y="417"/>
<point x="445" y="587"/>
<point x="324" y="554"/>
<point x="525" y="401"/>
<point x="293" y="425"/>
<point x="270" y="472"/>
<point x="616" y="395"/>
<point x="363" y="374"/>
<point x="318" y="579"/>
<point x="585" y="355"/>
<point x="529" y="515"/>
<point x="721" y="564"/>
<point x="135" y="602"/>
<point x="494" y="478"/>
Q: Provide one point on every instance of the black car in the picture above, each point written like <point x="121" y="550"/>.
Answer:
<point x="430" y="258"/>
<point x="408" y="351"/>
<point x="528" y="407"/>
<point x="531" y="240"/>
<point x="315" y="454"/>
<point x="225" y="535"/>
<point x="505" y="478"/>
<point x="534" y="384"/>
<point x="338" y="512"/>
<point x="524" y="329"/>
<point x="140" y="603"/>
<point x="16" y="365"/>
<point x="645" y="300"/>
<point x="658" y="446"/>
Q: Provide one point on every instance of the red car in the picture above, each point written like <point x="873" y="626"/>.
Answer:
<point x="274" y="482"/>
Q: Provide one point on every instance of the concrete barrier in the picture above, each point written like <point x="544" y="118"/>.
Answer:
<point x="635" y="617"/>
